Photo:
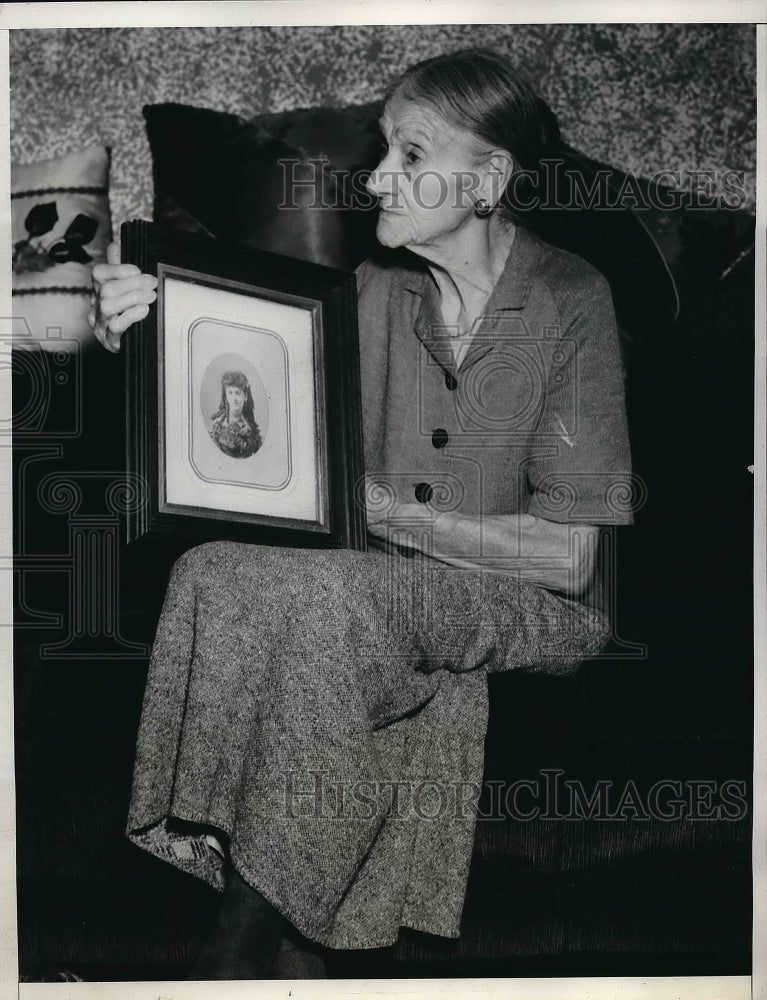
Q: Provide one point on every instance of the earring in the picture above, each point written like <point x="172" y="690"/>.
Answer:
<point x="482" y="208"/>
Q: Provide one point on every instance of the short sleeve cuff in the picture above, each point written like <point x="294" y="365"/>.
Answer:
<point x="588" y="498"/>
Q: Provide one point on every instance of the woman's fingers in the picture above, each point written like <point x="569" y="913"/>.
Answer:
<point x="109" y="332"/>
<point x="104" y="274"/>
<point x="113" y="253"/>
<point x="378" y="528"/>
<point x="117" y="325"/>
<point x="119" y="296"/>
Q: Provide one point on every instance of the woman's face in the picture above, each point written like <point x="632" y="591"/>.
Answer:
<point x="235" y="398"/>
<point x="426" y="178"/>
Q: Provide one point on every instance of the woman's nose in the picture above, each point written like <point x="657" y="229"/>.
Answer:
<point x="382" y="180"/>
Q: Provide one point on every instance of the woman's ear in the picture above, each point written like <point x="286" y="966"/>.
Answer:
<point x="500" y="167"/>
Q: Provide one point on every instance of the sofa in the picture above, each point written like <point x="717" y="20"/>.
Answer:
<point x="643" y="865"/>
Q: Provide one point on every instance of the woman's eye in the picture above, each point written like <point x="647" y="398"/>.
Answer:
<point x="411" y="157"/>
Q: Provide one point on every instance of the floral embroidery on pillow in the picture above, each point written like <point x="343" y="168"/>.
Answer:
<point x="31" y="254"/>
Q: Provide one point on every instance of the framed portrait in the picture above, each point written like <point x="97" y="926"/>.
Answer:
<point x="243" y="399"/>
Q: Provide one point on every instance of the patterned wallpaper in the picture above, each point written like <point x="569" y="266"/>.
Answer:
<point x="641" y="97"/>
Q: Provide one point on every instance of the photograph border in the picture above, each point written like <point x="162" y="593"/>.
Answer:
<point x="330" y="297"/>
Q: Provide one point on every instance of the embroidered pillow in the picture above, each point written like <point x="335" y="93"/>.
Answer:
<point x="60" y="228"/>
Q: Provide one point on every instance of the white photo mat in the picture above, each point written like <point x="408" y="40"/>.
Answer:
<point x="201" y="325"/>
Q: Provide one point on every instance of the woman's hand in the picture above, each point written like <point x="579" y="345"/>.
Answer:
<point x="393" y="526"/>
<point x="387" y="516"/>
<point x="121" y="296"/>
<point x="557" y="556"/>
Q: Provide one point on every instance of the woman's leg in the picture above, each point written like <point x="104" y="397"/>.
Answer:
<point x="278" y="674"/>
<point x="298" y="959"/>
<point x="245" y="938"/>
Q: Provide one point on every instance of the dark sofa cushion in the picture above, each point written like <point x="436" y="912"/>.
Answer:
<point x="264" y="184"/>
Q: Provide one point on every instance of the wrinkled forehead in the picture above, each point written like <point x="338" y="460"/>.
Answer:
<point x="419" y="118"/>
<point x="401" y="112"/>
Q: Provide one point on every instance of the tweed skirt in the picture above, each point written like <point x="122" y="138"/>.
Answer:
<point x="323" y="713"/>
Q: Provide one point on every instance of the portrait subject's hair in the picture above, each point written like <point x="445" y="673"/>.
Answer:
<point x="239" y="380"/>
<point x="478" y="91"/>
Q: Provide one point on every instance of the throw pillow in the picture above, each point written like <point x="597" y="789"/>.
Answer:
<point x="60" y="228"/>
<point x="269" y="183"/>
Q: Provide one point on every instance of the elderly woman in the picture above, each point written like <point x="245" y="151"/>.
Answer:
<point x="313" y="726"/>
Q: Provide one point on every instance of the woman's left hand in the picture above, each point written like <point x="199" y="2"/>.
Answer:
<point x="403" y="519"/>
<point x="553" y="555"/>
<point x="387" y="514"/>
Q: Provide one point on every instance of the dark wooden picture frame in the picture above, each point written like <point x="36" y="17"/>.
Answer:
<point x="294" y="473"/>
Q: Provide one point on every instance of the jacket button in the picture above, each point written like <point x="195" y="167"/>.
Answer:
<point x="423" y="492"/>
<point x="439" y="437"/>
<point x="451" y="381"/>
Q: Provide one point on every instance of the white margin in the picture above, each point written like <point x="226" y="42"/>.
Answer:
<point x="661" y="988"/>
<point x="121" y="13"/>
<point x="759" y="846"/>
<point x="8" y="925"/>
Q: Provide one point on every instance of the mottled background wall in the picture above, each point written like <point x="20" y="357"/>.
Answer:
<point x="641" y="97"/>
